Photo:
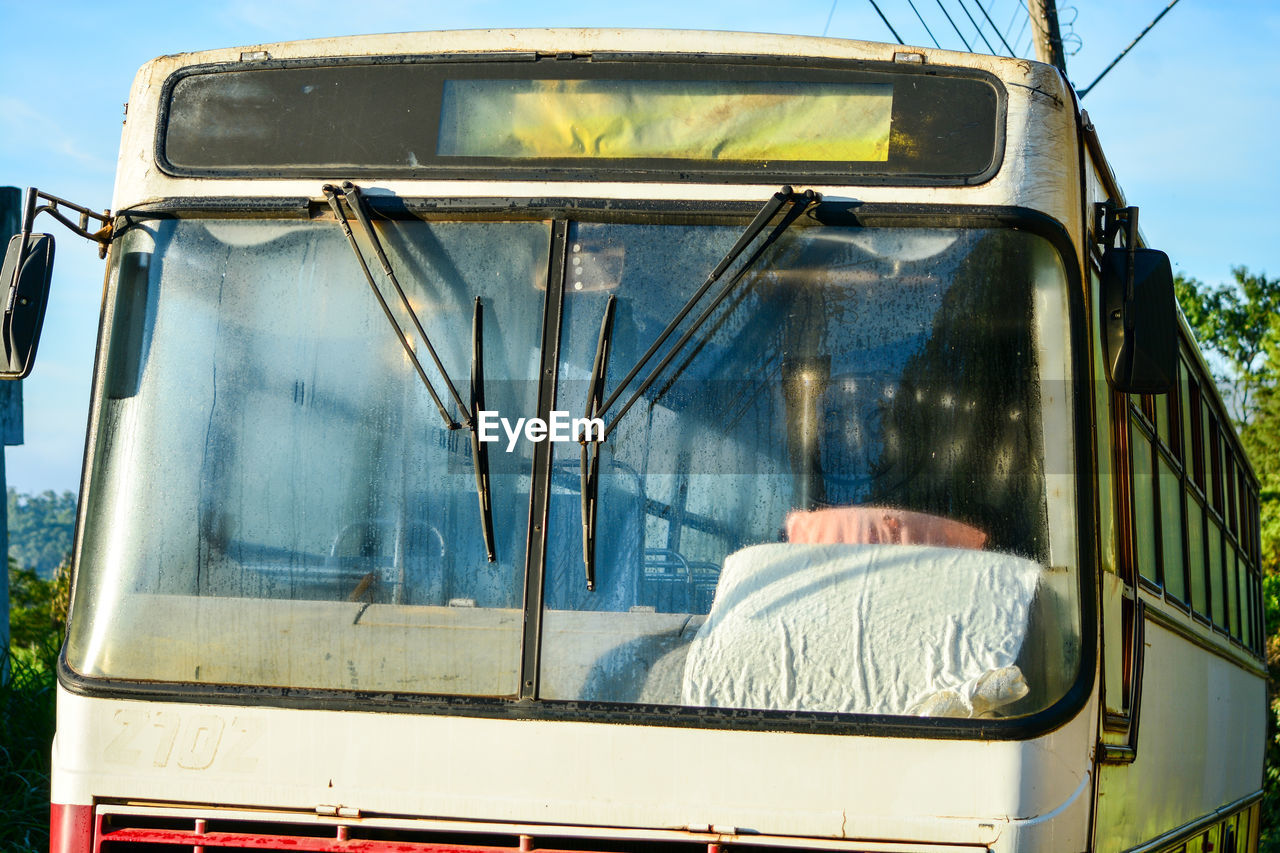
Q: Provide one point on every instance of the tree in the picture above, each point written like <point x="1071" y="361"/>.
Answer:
<point x="41" y="528"/>
<point x="37" y="607"/>
<point x="1237" y="323"/>
<point x="1261" y="438"/>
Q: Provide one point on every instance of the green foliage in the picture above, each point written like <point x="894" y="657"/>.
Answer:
<point x="41" y="528"/>
<point x="1261" y="438"/>
<point x="37" y="607"/>
<point x="26" y="730"/>
<point x="1271" y="599"/>
<point x="37" y="615"/>
<point x="1237" y="322"/>
<point x="1270" y="817"/>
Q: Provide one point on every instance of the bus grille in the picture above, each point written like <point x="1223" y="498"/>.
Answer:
<point x="135" y="833"/>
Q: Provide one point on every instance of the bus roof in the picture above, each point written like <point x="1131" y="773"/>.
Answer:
<point x="556" y="41"/>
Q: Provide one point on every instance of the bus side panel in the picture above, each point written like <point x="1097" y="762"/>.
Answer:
<point x="1199" y="744"/>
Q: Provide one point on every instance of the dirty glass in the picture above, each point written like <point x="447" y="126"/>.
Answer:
<point x="627" y="120"/>
<point x="851" y="490"/>
<point x="273" y="497"/>
<point x="834" y="498"/>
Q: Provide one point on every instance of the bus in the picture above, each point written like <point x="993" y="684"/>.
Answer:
<point x="645" y="441"/>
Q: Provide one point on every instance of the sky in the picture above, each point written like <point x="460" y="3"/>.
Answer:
<point x="1188" y="119"/>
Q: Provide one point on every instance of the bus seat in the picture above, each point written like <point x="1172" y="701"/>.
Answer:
<point x="877" y="525"/>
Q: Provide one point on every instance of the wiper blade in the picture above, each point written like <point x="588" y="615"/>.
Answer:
<point x="480" y="449"/>
<point x="331" y="193"/>
<point x="771" y="207"/>
<point x="591" y="447"/>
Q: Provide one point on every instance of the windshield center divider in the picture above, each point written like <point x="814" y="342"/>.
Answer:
<point x="540" y="481"/>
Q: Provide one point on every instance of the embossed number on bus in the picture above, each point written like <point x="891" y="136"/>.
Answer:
<point x="191" y="741"/>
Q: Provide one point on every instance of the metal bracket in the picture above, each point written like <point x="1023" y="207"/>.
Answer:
<point x="52" y="204"/>
<point x="1110" y="221"/>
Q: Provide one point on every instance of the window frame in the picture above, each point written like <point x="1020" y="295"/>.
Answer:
<point x="829" y="213"/>
<point x="655" y="66"/>
<point x="1207" y="498"/>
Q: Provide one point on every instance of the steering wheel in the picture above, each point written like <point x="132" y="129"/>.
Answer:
<point x="390" y="561"/>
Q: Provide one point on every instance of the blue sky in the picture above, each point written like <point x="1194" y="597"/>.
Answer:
<point x="1188" y="119"/>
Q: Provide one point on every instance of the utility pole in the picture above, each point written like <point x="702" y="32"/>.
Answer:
<point x="10" y="432"/>
<point x="1048" y="39"/>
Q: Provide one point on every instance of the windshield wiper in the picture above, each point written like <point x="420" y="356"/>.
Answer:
<point x="480" y="449"/>
<point x="771" y="207"/>
<point x="597" y="409"/>
<point x="479" y="452"/>
<point x="591" y="449"/>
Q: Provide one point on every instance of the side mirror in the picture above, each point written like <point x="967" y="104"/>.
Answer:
<point x="1139" y="320"/>
<point x="25" y="275"/>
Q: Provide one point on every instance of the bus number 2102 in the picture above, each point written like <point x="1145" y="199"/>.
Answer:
<point x="190" y="741"/>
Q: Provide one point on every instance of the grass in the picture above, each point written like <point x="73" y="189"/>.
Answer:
<point x="26" y="732"/>
<point x="37" y="620"/>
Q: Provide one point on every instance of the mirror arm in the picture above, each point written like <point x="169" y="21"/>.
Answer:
<point x="25" y="290"/>
<point x="1109" y="221"/>
<point x="1131" y="246"/>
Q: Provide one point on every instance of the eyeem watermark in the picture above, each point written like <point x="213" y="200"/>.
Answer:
<point x="561" y="427"/>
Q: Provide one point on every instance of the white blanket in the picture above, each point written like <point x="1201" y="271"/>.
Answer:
<point x="864" y="629"/>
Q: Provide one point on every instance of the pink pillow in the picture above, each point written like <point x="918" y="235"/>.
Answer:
<point x="877" y="525"/>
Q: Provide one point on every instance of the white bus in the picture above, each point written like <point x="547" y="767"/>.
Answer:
<point x="610" y="441"/>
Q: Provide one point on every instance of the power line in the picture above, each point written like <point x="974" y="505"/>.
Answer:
<point x="964" y="8"/>
<point x="829" y="14"/>
<point x="883" y="18"/>
<point x="1072" y="37"/>
<point x="926" y="26"/>
<point x="1124" y="52"/>
<point x="994" y="27"/>
<point x="1023" y="30"/>
<point x="1017" y="6"/>
<point x="954" y="27"/>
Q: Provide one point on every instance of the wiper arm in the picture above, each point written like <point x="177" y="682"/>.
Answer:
<point x="591" y="448"/>
<point x="590" y="476"/>
<point x="357" y="204"/>
<point x="753" y="230"/>
<point x="331" y="193"/>
<point x="480" y="449"/>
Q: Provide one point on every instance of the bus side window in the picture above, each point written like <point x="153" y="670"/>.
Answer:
<point x="1144" y="501"/>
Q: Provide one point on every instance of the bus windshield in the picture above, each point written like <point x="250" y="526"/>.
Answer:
<point x="834" y="499"/>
